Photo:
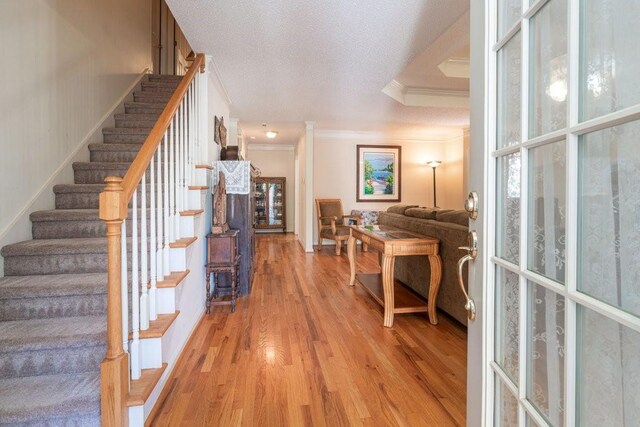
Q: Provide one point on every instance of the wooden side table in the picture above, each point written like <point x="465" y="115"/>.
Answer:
<point x="222" y="257"/>
<point x="391" y="242"/>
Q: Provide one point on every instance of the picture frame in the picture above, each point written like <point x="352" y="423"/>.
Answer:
<point x="378" y="173"/>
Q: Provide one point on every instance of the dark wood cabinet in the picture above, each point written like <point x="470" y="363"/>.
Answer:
<point x="270" y="203"/>
<point x="222" y="257"/>
<point x="240" y="177"/>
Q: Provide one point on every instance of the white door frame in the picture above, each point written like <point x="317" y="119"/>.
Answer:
<point x="477" y="384"/>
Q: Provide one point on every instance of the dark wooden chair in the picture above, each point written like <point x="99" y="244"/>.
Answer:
<point x="331" y="222"/>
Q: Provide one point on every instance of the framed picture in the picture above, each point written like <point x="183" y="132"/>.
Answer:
<point x="378" y="178"/>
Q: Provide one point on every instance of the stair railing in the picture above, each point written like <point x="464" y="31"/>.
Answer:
<point x="163" y="168"/>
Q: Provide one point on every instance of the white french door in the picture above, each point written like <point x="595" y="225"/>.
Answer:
<point x="558" y="287"/>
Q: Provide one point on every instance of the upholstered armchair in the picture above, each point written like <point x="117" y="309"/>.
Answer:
<point x="332" y="223"/>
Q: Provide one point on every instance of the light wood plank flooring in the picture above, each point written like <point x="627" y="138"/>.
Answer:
<point x="305" y="349"/>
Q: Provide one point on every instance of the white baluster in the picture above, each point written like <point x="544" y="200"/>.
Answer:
<point x="165" y="210"/>
<point x="135" y="293"/>
<point x="124" y="286"/>
<point x="144" y="251"/>
<point x="192" y="136"/>
<point x="175" y="182"/>
<point x="172" y="187"/>
<point x="155" y="221"/>
<point x="185" y="158"/>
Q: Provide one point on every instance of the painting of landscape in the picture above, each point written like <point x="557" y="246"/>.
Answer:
<point x="378" y="173"/>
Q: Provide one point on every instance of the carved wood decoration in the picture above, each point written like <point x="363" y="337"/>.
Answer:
<point x="220" y="206"/>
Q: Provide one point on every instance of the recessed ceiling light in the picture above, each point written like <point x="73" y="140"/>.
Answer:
<point x="271" y="134"/>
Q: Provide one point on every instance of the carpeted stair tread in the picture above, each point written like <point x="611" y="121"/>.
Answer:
<point x="164" y="77"/>
<point x="55" y="333"/>
<point x="100" y="165"/>
<point x="160" y="85"/>
<point x="132" y="146"/>
<point x="78" y="188"/>
<point x="54" y="400"/>
<point x="142" y="131"/>
<point x="53" y="285"/>
<point x="39" y="247"/>
<point x="143" y="107"/>
<point x="149" y="96"/>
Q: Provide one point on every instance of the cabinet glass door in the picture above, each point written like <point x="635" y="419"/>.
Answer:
<point x="275" y="203"/>
<point x="261" y="203"/>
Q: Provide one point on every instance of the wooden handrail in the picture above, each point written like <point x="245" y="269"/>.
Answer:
<point x="145" y="155"/>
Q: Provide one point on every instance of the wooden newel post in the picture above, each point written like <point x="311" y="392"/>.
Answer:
<point x="114" y="370"/>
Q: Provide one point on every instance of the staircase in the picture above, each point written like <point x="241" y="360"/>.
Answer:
<point x="53" y="298"/>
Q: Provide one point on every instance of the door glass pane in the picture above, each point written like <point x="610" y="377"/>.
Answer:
<point x="530" y="422"/>
<point x="610" y="56"/>
<point x="608" y="377"/>
<point x="609" y="216"/>
<point x="508" y="208"/>
<point x="509" y="93"/>
<point x="509" y="12"/>
<point x="545" y="353"/>
<point x="275" y="203"/>
<point x="261" y="203"/>
<point x="548" y="72"/>
<point x="505" y="406"/>
<point x="507" y="322"/>
<point x="547" y="209"/>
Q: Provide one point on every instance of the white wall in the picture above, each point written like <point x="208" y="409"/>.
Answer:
<point x="450" y="178"/>
<point x="277" y="161"/>
<point x="73" y="60"/>
<point x="335" y="171"/>
<point x="218" y="106"/>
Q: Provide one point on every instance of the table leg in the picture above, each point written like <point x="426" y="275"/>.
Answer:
<point x="234" y="284"/>
<point x="216" y="282"/>
<point x="351" y="252"/>
<point x="208" y="302"/>
<point x="387" y="265"/>
<point x="434" y="286"/>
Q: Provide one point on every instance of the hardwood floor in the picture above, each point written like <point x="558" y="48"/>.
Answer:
<point x="305" y="349"/>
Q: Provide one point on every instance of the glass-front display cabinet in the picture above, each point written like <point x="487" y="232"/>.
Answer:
<point x="270" y="203"/>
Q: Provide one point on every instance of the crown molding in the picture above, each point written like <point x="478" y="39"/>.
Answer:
<point x="426" y="97"/>
<point x="455" y="67"/>
<point x="216" y="73"/>
<point x="270" y="147"/>
<point x="381" y="136"/>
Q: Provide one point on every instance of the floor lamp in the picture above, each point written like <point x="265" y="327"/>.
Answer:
<point x="434" y="164"/>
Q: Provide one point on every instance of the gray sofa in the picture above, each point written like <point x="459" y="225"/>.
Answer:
<point x="451" y="227"/>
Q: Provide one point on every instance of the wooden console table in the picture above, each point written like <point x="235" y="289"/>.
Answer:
<point x="391" y="242"/>
<point x="222" y="257"/>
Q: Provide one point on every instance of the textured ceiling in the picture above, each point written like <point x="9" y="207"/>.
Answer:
<point x="322" y="61"/>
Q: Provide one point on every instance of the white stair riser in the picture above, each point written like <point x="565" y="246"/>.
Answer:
<point x="197" y="199"/>
<point x="188" y="226"/>
<point x="179" y="257"/>
<point x="151" y="352"/>
<point x="201" y="177"/>
<point x="166" y="300"/>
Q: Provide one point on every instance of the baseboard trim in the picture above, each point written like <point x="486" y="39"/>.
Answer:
<point x="49" y="183"/>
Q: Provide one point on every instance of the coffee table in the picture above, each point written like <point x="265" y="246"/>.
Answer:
<point x="391" y="242"/>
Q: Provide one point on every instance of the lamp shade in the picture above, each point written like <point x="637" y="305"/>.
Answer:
<point x="434" y="163"/>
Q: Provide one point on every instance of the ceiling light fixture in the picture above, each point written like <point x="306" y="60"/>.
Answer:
<point x="271" y="134"/>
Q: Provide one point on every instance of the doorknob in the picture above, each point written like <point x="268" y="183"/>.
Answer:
<point x="472" y="253"/>
<point x="471" y="205"/>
